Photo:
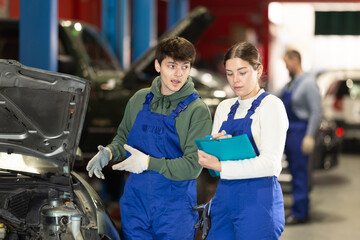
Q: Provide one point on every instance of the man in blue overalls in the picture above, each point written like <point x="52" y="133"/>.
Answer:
<point x="302" y="101"/>
<point x="157" y="136"/>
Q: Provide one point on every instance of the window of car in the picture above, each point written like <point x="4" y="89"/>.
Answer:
<point x="354" y="88"/>
<point x="98" y="57"/>
<point x="348" y="87"/>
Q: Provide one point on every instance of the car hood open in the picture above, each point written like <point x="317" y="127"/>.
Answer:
<point x="41" y="112"/>
<point x="190" y="28"/>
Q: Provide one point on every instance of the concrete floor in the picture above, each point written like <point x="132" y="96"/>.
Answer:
<point x="335" y="204"/>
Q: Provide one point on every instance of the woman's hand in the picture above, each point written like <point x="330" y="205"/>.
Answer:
<point x="209" y="161"/>
<point x="221" y="135"/>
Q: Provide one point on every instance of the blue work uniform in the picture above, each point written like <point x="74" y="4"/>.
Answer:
<point x="246" y="209"/>
<point x="153" y="206"/>
<point x="298" y="162"/>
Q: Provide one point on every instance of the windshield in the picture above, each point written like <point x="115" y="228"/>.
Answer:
<point x="353" y="88"/>
<point x="27" y="164"/>
<point x="100" y="57"/>
<point x="349" y="87"/>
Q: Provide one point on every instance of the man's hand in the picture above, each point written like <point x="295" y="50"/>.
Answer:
<point x="208" y="161"/>
<point x="98" y="162"/>
<point x="308" y="145"/>
<point x="136" y="163"/>
<point x="204" y="223"/>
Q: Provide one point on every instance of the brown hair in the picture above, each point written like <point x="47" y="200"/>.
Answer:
<point x="246" y="51"/>
<point x="177" y="48"/>
<point x="291" y="53"/>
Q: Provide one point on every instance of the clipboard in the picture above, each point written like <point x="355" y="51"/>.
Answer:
<point x="227" y="149"/>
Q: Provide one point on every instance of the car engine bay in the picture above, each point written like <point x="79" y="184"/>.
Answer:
<point x="33" y="209"/>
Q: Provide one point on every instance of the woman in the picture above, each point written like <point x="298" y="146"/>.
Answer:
<point x="248" y="203"/>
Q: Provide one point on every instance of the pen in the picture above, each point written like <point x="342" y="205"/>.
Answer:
<point x="210" y="136"/>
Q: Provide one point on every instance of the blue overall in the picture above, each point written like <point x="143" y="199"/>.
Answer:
<point x="153" y="206"/>
<point x="246" y="209"/>
<point x="298" y="162"/>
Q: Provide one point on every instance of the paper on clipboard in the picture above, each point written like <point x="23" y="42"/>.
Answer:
<point x="227" y="149"/>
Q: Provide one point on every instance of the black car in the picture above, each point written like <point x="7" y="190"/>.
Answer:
<point x="41" y="119"/>
<point x="328" y="145"/>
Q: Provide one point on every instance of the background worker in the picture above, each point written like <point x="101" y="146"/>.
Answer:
<point x="158" y="130"/>
<point x="248" y="203"/>
<point x="302" y="101"/>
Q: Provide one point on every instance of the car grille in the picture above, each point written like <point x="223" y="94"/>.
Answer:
<point x="18" y="204"/>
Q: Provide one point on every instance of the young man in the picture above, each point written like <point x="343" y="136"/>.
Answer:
<point x="158" y="132"/>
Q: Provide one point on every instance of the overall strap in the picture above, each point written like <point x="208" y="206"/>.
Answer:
<point x="233" y="110"/>
<point x="148" y="99"/>
<point x="183" y="105"/>
<point x="255" y="104"/>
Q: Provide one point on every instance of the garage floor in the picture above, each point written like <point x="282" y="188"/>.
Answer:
<point x="335" y="204"/>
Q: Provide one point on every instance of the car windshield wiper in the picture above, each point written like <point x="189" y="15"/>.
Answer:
<point x="28" y="174"/>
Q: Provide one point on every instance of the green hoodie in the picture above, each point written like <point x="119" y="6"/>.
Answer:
<point x="194" y="122"/>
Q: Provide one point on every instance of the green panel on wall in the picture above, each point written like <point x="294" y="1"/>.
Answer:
<point x="337" y="23"/>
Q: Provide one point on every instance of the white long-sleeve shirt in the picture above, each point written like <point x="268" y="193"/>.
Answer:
<point x="269" y="127"/>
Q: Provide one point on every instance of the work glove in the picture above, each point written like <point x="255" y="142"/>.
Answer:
<point x="136" y="163"/>
<point x="204" y="223"/>
<point x="100" y="160"/>
<point x="308" y="145"/>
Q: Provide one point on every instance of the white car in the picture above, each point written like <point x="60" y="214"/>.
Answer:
<point x="341" y="100"/>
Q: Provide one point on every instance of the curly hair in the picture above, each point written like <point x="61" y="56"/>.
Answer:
<point x="177" y="48"/>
